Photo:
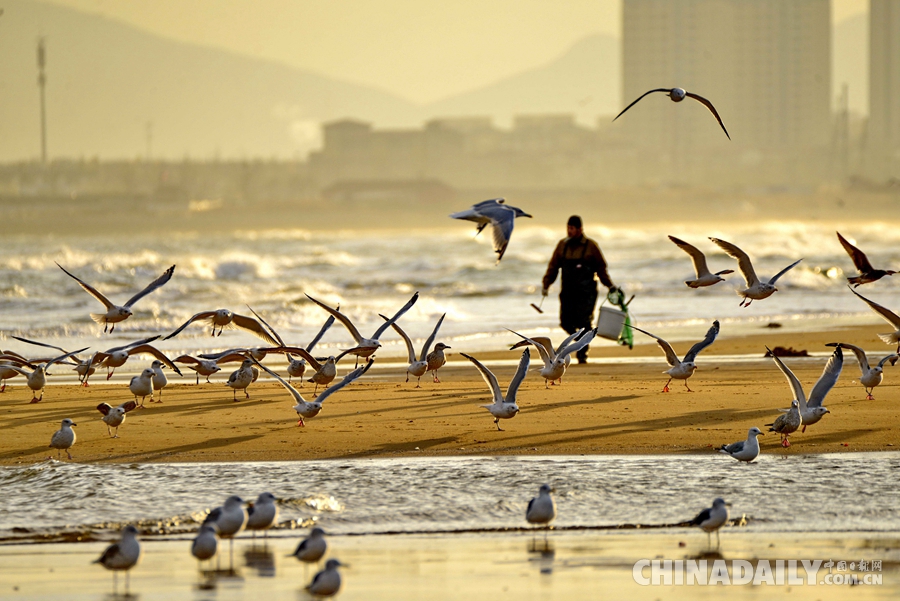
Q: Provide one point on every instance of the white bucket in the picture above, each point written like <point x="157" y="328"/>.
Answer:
<point x="610" y="323"/>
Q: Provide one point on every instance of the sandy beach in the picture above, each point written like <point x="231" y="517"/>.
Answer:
<point x="603" y="407"/>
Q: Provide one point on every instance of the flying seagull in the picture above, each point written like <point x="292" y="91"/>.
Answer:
<point x="811" y="410"/>
<point x="704" y="277"/>
<point x="677" y="95"/>
<point x="867" y="273"/>
<point x="889" y="316"/>
<point x="756" y="290"/>
<point x="501" y="217"/>
<point x="683" y="369"/>
<point x="870" y="377"/>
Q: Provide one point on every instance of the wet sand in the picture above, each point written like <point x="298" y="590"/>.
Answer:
<point x="574" y="565"/>
<point x="601" y="407"/>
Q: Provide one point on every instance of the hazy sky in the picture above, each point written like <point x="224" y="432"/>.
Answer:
<point x="421" y="50"/>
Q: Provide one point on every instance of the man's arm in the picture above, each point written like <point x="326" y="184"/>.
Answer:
<point x="552" y="267"/>
<point x="600" y="266"/>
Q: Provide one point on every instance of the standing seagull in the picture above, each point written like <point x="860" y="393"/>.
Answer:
<point x="223" y="318"/>
<point x="37" y="379"/>
<point x="436" y="360"/>
<point x="262" y="514"/>
<point x="501" y="217"/>
<point x="229" y="519"/>
<point x="327" y="582"/>
<point x="889" y="316"/>
<point x="312" y="548"/>
<point x="366" y="347"/>
<point x="205" y="544"/>
<point x="744" y="450"/>
<point x="812" y="410"/>
<point x="704" y="277"/>
<point x="787" y="423"/>
<point x="867" y="273"/>
<point x="555" y="363"/>
<point x="870" y="377"/>
<point x="115" y="313"/>
<point x="417" y="366"/>
<point x="756" y="290"/>
<point x="202" y="367"/>
<point x="677" y="95"/>
<point x="545" y="342"/>
<point x="682" y="370"/>
<point x="542" y="509"/>
<point x="64" y="438"/>
<point x="241" y="379"/>
<point x="122" y="555"/>
<point x="503" y="407"/>
<point x="142" y="386"/>
<point x="712" y="518"/>
<point x="115" y="416"/>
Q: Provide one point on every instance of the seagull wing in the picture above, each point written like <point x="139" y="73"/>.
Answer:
<point x="430" y="340"/>
<point x="89" y="289"/>
<point x="26" y="341"/>
<point x="63" y="358"/>
<point x="298" y="398"/>
<point x="321" y="333"/>
<point x="132" y="344"/>
<point x="775" y="277"/>
<point x="518" y="377"/>
<point x="489" y="378"/>
<point x="697" y="257"/>
<point x="859" y="257"/>
<point x="892" y="358"/>
<point x="710" y="338"/>
<point x="546" y="354"/>
<point x="340" y="317"/>
<point x="888" y="315"/>
<point x="578" y="344"/>
<point x="735" y="447"/>
<point x="542" y="340"/>
<point x="828" y="378"/>
<point x="567" y="340"/>
<point x="503" y="219"/>
<point x="265" y="323"/>
<point x="165" y="277"/>
<point x="671" y="358"/>
<point x="743" y="260"/>
<point x="397" y="315"/>
<point x="253" y="326"/>
<point x="711" y="108"/>
<point x="201" y="315"/>
<point x="152" y="350"/>
<point x="348" y="379"/>
<point x="409" y="345"/>
<point x="104" y="408"/>
<point x="129" y="406"/>
<point x="793" y="382"/>
<point x="666" y="90"/>
<point x="701" y="517"/>
<point x="860" y="355"/>
<point x="295" y="350"/>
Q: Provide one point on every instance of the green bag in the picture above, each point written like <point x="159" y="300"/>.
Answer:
<point x="617" y="297"/>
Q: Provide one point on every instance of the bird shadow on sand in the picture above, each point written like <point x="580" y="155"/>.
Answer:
<point x="399" y="447"/>
<point x="160" y="453"/>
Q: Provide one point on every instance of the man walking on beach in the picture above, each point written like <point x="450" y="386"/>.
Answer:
<point x="580" y="259"/>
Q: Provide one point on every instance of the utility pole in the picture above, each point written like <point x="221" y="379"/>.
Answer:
<point x="42" y="80"/>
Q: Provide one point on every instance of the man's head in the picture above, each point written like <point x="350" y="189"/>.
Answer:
<point x="574" y="226"/>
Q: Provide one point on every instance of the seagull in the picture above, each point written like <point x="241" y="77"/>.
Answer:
<point x="889" y="316"/>
<point x="229" y="520"/>
<point x="64" y="438"/>
<point x="6" y="372"/>
<point x="545" y="342"/>
<point x="365" y="347"/>
<point x="37" y="379"/>
<point x="501" y="217"/>
<point x="712" y="518"/>
<point x="503" y="407"/>
<point x="206" y="543"/>
<point x="542" y="508"/>
<point x="116" y="357"/>
<point x="677" y="95"/>
<point x="812" y="410"/>
<point x="704" y="277"/>
<point x="202" y="367"/>
<point x="867" y="273"/>
<point x="142" y="386"/>
<point x="756" y="290"/>
<point x="223" y="318"/>
<point x="306" y="409"/>
<point x="312" y="548"/>
<point x="327" y="582"/>
<point x="555" y="363"/>
<point x="262" y="514"/>
<point x="436" y="360"/>
<point x="84" y="368"/>
<point x="684" y="369"/>
<point x="418" y="366"/>
<point x="241" y="379"/>
<point x="744" y="450"/>
<point x="787" y="423"/>
<point x="297" y="367"/>
<point x="870" y="376"/>
<point x="160" y="380"/>
<point x="114" y="416"/>
<point x="122" y="555"/>
<point x="115" y="313"/>
<point x="325" y="372"/>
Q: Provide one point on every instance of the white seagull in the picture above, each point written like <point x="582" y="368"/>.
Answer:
<point x="297" y="367"/>
<point x="418" y="366"/>
<point x="202" y="367"/>
<point x="744" y="450"/>
<point x="704" y="277"/>
<point x="542" y="508"/>
<point x="64" y="438"/>
<point x="37" y="379"/>
<point x="711" y="519"/>
<point x="555" y="363"/>
<point x="312" y="548"/>
<point x="113" y="417"/>
<point x="262" y="514"/>
<point x="756" y="289"/>
<point x="365" y="347"/>
<point x="503" y="407"/>
<point x="677" y="95"/>
<point x="118" y="356"/>
<point x="115" y="313"/>
<point x="308" y="409"/>
<point x="160" y="380"/>
<point x="122" y="555"/>
<point x="811" y="410"/>
<point x="206" y="543"/>
<point x="683" y="369"/>
<point x="889" y="316"/>
<point x="223" y="318"/>
<point x="327" y="582"/>
<point x="501" y="217"/>
<point x="229" y="520"/>
<point x="142" y="386"/>
<point x="870" y="377"/>
<point x="547" y="344"/>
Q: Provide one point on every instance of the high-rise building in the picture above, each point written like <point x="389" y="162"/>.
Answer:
<point x="883" y="139"/>
<point x="764" y="64"/>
